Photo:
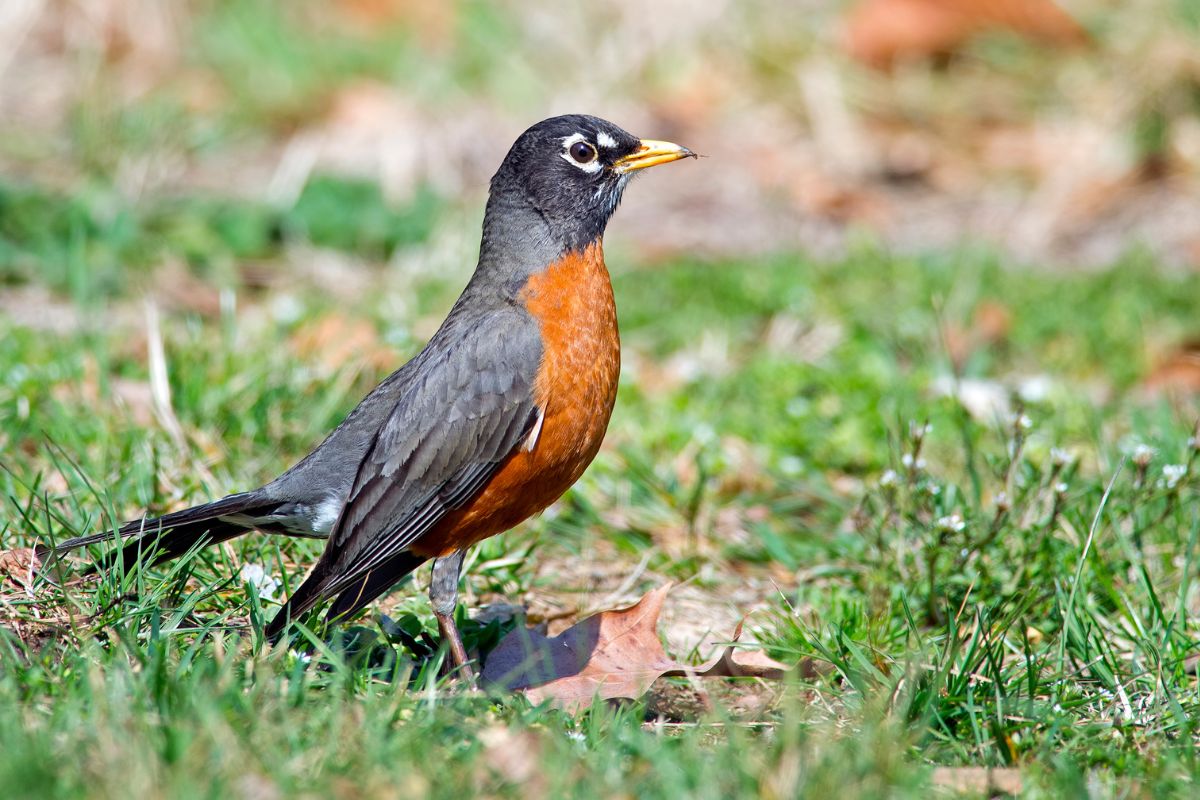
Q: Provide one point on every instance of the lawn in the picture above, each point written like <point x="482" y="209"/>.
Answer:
<point x="956" y="486"/>
<point x="1011" y="589"/>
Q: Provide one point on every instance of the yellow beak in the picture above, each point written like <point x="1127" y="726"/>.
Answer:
<point x="651" y="154"/>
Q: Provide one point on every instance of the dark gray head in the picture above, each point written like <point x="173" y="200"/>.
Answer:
<point x="560" y="183"/>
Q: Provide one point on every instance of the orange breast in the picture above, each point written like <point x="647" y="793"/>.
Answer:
<point x="576" y="387"/>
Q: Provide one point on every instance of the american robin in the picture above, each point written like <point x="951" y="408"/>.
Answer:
<point x="488" y="425"/>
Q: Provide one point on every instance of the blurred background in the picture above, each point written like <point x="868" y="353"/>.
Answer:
<point x="909" y="209"/>
<point x="1060" y="134"/>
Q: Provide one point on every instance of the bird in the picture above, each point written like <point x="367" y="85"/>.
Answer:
<point x="489" y="424"/>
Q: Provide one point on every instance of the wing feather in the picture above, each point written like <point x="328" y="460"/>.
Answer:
<point x="469" y="406"/>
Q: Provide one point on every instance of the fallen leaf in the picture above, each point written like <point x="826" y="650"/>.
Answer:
<point x="1177" y="374"/>
<point x="433" y="21"/>
<point x="19" y="565"/>
<point x="743" y="662"/>
<point x="613" y="654"/>
<point x="881" y="32"/>
<point x="989" y="328"/>
<point x="335" y="340"/>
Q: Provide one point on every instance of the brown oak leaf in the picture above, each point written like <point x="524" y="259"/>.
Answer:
<point x="18" y="566"/>
<point x="613" y="654"/>
<point x="882" y="32"/>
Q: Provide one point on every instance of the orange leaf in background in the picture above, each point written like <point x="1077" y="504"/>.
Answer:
<point x="1177" y="374"/>
<point x="990" y="327"/>
<point x="433" y="19"/>
<point x="335" y="340"/>
<point x="882" y="32"/>
<point x="613" y="654"/>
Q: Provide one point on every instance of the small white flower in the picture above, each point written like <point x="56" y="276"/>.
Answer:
<point x="256" y="576"/>
<point x="286" y="309"/>
<point x="704" y="434"/>
<point x="919" y="430"/>
<point x="934" y="489"/>
<point x="1002" y="502"/>
<point x="1173" y="474"/>
<point x="791" y="465"/>
<point x="952" y="523"/>
<point x="888" y="478"/>
<point x="1035" y="389"/>
<point x="1061" y="458"/>
<point x="907" y="460"/>
<point x="1060" y="487"/>
<point x="1024" y="422"/>
<point x="1142" y="454"/>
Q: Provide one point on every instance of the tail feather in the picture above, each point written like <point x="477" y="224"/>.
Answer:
<point x="172" y="535"/>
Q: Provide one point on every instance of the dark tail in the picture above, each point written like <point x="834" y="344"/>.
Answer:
<point x="350" y="600"/>
<point x="174" y="534"/>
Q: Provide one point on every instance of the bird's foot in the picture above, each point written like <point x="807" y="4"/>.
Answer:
<point x="454" y="642"/>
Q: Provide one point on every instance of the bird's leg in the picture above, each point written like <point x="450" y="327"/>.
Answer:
<point x="443" y="596"/>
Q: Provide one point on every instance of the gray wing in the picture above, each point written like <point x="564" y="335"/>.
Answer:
<point x="467" y="408"/>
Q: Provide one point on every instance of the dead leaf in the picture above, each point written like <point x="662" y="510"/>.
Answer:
<point x="743" y="662"/>
<point x="990" y="326"/>
<point x="434" y="21"/>
<point x="881" y="32"/>
<point x="335" y="340"/>
<point x="1177" y="374"/>
<point x="613" y="654"/>
<point x="19" y="565"/>
<point x="979" y="780"/>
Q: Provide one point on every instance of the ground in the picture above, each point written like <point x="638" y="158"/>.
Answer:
<point x="1010" y="589"/>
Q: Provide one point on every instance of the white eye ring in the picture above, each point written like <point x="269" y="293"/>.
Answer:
<point x="592" y="164"/>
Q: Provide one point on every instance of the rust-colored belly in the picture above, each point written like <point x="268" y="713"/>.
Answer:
<point x="576" y="387"/>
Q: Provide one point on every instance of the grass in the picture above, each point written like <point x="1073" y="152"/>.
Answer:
<point x="771" y="428"/>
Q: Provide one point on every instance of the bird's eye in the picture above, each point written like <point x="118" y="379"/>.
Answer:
<point x="583" y="152"/>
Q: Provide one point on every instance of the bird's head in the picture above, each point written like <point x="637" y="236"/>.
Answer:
<point x="572" y="170"/>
